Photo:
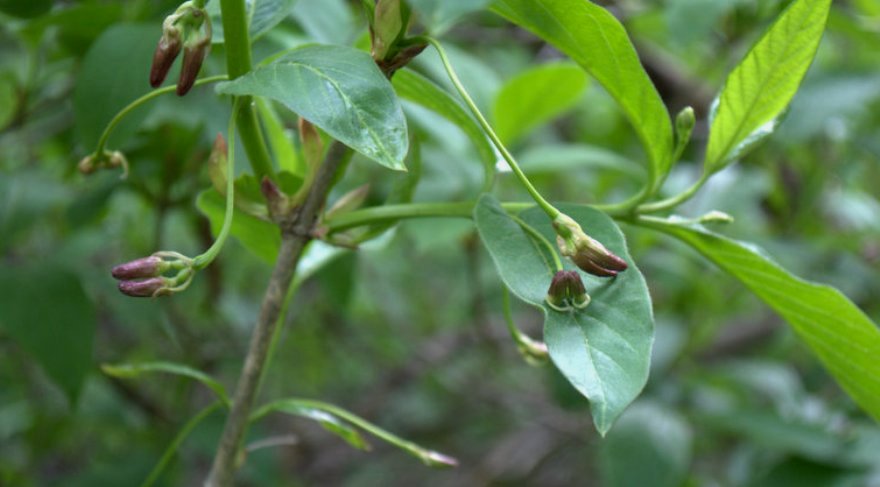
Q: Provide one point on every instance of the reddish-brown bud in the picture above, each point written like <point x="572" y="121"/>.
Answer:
<point x="166" y="52"/>
<point x="567" y="290"/>
<point x="587" y="253"/>
<point x="151" y="266"/>
<point x="147" y="288"/>
<point x="193" y="57"/>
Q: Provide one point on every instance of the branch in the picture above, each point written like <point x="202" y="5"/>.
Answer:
<point x="294" y="236"/>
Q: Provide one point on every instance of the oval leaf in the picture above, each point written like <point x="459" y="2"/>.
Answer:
<point x="840" y="334"/>
<point x="535" y="97"/>
<point x="593" y="38"/>
<point x="603" y="350"/>
<point x="759" y="89"/>
<point x="340" y="90"/>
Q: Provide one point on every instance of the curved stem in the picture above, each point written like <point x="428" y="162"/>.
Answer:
<point x="140" y="101"/>
<point x="205" y="259"/>
<point x="551" y="211"/>
<point x="540" y="238"/>
<point x="676" y="200"/>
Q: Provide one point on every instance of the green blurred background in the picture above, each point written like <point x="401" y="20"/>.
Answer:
<point x="408" y="331"/>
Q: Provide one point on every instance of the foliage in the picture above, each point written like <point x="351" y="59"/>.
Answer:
<point x="654" y="339"/>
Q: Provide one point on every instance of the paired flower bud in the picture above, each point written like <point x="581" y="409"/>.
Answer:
<point x="143" y="278"/>
<point x="566" y="291"/>
<point x="189" y="28"/>
<point x="587" y="253"/>
<point x="104" y="160"/>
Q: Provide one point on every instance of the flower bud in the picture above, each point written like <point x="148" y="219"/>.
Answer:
<point x="151" y="266"/>
<point x="166" y="52"/>
<point x="276" y="201"/>
<point x="587" y="253"/>
<point x="390" y="19"/>
<point x="567" y="290"/>
<point x="146" y="288"/>
<point x="194" y="55"/>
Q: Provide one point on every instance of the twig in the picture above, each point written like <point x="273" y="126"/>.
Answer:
<point x="294" y="237"/>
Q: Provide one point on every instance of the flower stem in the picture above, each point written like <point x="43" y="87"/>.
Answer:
<point x="203" y="260"/>
<point x="108" y="130"/>
<point x="551" y="211"/>
<point x="676" y="200"/>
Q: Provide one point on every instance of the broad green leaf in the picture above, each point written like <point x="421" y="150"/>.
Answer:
<point x="842" y="336"/>
<point x="114" y="72"/>
<point x="330" y="422"/>
<point x="340" y="90"/>
<point x="603" y="350"/>
<point x="760" y="88"/>
<point x="264" y="14"/>
<point x="130" y="371"/>
<point x="439" y="15"/>
<point x="259" y="236"/>
<point x="535" y="97"/>
<point x="650" y="445"/>
<point x="594" y="39"/>
<point x="416" y="88"/>
<point x="45" y="309"/>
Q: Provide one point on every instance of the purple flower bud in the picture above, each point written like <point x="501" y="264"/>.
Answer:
<point x="566" y="290"/>
<point x="193" y="56"/>
<point x="146" y="288"/>
<point x="166" y="52"/>
<point x="151" y="266"/>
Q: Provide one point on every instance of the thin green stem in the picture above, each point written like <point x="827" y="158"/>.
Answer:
<point x="205" y="259"/>
<point x="393" y="213"/>
<point x="551" y="211"/>
<point x="540" y="238"/>
<point x="676" y="200"/>
<point x="175" y="443"/>
<point x="238" y="63"/>
<point x="140" y="101"/>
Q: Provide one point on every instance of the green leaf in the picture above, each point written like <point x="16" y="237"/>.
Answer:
<point x="266" y="14"/>
<point x="842" y="336"/>
<point x="439" y="15"/>
<point x="535" y="97"/>
<point x="761" y="87"/>
<point x="323" y="411"/>
<point x="114" y="72"/>
<point x="340" y="90"/>
<point x="416" y="88"/>
<point x="650" y="445"/>
<point x="45" y="309"/>
<point x="260" y="237"/>
<point x="594" y="39"/>
<point x="603" y="350"/>
<point x="330" y="422"/>
<point x="129" y="371"/>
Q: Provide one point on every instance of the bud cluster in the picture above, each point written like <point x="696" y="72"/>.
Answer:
<point x="566" y="291"/>
<point x="189" y="29"/>
<point x="587" y="253"/>
<point x="144" y="277"/>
